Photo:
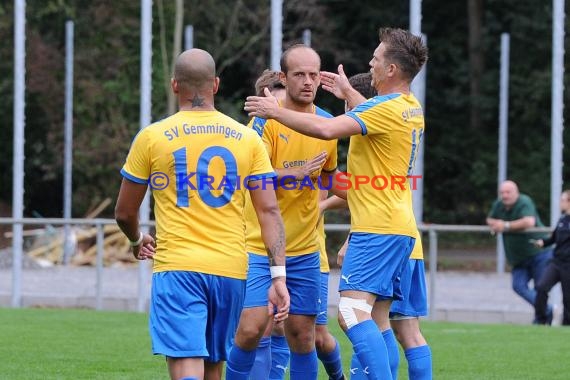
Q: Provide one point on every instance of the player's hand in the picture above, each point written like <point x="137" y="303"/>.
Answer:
<point x="537" y="243"/>
<point x="146" y="249"/>
<point x="337" y="84"/>
<point x="312" y="165"/>
<point x="342" y="253"/>
<point x="278" y="299"/>
<point x="262" y="106"/>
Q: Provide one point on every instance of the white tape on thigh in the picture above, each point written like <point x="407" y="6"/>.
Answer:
<point x="346" y="308"/>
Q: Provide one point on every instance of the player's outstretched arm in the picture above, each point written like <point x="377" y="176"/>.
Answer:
<point x="339" y="86"/>
<point x="308" y="124"/>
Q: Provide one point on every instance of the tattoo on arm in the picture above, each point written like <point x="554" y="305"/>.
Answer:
<point x="277" y="247"/>
<point x="197" y="101"/>
<point x="270" y="256"/>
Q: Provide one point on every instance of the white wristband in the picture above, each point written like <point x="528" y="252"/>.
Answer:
<point x="138" y="242"/>
<point x="507" y="226"/>
<point x="277" y="271"/>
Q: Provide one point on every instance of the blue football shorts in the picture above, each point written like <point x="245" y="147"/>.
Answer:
<point x="322" y="317"/>
<point x="373" y="263"/>
<point x="303" y="282"/>
<point x="414" y="292"/>
<point x="194" y="314"/>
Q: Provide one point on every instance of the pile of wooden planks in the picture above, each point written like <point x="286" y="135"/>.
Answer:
<point x="48" y="244"/>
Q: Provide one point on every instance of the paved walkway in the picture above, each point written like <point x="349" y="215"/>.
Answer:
<point x="459" y="296"/>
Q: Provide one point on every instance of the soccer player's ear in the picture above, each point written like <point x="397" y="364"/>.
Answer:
<point x="216" y="85"/>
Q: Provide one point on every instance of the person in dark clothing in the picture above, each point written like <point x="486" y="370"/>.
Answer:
<point x="558" y="269"/>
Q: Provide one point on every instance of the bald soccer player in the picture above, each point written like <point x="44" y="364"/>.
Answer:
<point x="199" y="164"/>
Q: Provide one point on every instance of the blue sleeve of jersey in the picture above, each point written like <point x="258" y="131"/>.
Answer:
<point x="132" y="178"/>
<point x="258" y="125"/>
<point x="367" y="105"/>
<point x="258" y="177"/>
<point x="358" y="120"/>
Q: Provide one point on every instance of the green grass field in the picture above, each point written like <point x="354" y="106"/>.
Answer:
<point x="84" y="344"/>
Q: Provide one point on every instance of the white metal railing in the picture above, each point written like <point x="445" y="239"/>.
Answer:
<point x="99" y="224"/>
<point x="431" y="229"/>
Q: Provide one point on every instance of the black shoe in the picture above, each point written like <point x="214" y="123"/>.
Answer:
<point x="549" y="317"/>
<point x="544" y="322"/>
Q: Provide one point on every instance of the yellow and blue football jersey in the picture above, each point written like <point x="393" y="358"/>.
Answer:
<point x="392" y="128"/>
<point x="298" y="201"/>
<point x="418" y="251"/>
<point x="197" y="165"/>
<point x="321" y="239"/>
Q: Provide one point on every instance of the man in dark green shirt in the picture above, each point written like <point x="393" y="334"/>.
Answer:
<point x="510" y="214"/>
